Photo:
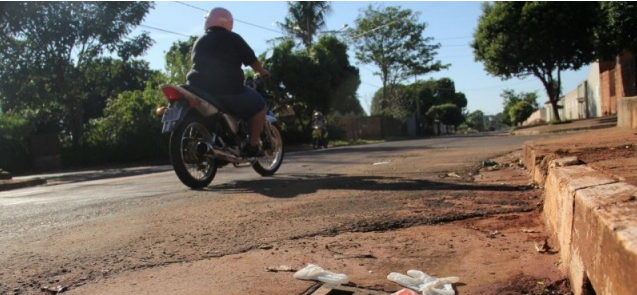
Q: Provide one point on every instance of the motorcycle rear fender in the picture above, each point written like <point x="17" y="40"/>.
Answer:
<point x="205" y="108"/>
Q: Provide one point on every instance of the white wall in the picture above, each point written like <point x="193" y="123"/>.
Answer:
<point x="593" y="96"/>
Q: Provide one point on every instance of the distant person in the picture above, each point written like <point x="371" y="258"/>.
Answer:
<point x="217" y="60"/>
<point x="319" y="120"/>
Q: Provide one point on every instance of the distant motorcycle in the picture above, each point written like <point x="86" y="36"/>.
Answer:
<point x="204" y="137"/>
<point x="319" y="136"/>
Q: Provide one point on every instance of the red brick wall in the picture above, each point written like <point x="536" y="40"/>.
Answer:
<point x="626" y="75"/>
<point x="607" y="85"/>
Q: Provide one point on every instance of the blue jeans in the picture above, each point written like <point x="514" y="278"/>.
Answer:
<point x="243" y="105"/>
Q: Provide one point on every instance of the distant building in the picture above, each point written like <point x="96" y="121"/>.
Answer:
<point x="608" y="82"/>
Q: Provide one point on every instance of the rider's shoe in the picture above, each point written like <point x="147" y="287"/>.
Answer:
<point x="252" y="151"/>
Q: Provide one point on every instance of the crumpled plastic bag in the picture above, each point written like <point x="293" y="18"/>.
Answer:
<point x="317" y="273"/>
<point x="405" y="291"/>
<point x="419" y="281"/>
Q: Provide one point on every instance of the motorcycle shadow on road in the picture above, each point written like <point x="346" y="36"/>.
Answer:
<point x="291" y="186"/>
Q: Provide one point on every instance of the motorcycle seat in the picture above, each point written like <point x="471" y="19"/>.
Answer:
<point x="205" y="96"/>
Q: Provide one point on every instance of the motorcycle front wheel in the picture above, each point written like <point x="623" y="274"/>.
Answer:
<point x="194" y="170"/>
<point x="272" y="149"/>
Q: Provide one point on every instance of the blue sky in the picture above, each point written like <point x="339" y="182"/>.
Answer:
<point x="450" y="23"/>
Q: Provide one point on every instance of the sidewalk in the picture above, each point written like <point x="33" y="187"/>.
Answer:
<point x="589" y="208"/>
<point x="77" y="176"/>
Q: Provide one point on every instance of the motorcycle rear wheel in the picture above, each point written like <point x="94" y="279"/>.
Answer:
<point x="194" y="170"/>
<point x="272" y="149"/>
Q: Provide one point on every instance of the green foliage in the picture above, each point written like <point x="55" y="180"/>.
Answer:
<point x="178" y="62"/>
<point x="313" y="81"/>
<point x="511" y="99"/>
<point x="521" y="111"/>
<point x="403" y="102"/>
<point x="108" y="77"/>
<point x="398" y="102"/>
<point x="519" y="39"/>
<point x="448" y="114"/>
<point x="475" y="120"/>
<point x="129" y="130"/>
<point x="618" y="28"/>
<point x="49" y="49"/>
<point x="392" y="39"/>
<point x="305" y="19"/>
<point x="15" y="129"/>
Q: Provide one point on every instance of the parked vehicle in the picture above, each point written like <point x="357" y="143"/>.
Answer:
<point x="204" y="137"/>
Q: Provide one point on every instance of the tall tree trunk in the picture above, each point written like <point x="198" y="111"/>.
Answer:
<point x="552" y="89"/>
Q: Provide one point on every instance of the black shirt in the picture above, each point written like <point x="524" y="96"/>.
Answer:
<point x="217" y="57"/>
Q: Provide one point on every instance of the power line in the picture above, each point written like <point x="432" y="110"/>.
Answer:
<point x="271" y="30"/>
<point x="237" y="20"/>
<point x="455" y="38"/>
<point x="499" y="86"/>
<point x="162" y="30"/>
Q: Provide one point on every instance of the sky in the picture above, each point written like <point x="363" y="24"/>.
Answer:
<point x="450" y="23"/>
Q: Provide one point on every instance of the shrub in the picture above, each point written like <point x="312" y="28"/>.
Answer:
<point x="14" y="134"/>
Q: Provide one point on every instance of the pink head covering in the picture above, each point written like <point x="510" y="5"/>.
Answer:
<point x="219" y="17"/>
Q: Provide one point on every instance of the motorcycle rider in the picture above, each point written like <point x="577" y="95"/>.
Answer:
<point x="217" y="59"/>
<point x="319" y="120"/>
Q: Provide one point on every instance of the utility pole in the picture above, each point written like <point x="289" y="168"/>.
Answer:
<point x="418" y="121"/>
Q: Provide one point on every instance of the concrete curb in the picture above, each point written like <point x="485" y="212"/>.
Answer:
<point x="592" y="218"/>
<point x="6" y="185"/>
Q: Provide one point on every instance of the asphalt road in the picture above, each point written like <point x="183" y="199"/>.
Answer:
<point x="89" y="222"/>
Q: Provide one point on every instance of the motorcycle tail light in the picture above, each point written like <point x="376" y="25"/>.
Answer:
<point x="172" y="94"/>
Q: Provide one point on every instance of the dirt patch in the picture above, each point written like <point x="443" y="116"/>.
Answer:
<point x="618" y="162"/>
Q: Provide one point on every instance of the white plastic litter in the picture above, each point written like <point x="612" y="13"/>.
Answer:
<point x="317" y="273"/>
<point x="419" y="281"/>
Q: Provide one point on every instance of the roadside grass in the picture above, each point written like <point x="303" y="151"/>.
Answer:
<point x="336" y="143"/>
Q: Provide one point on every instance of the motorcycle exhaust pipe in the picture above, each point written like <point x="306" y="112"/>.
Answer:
<point x="204" y="148"/>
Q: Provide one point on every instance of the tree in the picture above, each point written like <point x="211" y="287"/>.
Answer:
<point x="542" y="39"/>
<point x="475" y="120"/>
<point x="107" y="77"/>
<point x="521" y="111"/>
<point x="392" y="39"/>
<point x="447" y="114"/>
<point x="305" y="19"/>
<point x="618" y="28"/>
<point x="398" y="102"/>
<point x="48" y="48"/>
<point x="178" y="62"/>
<point x="129" y="124"/>
<point x="511" y="99"/>
<point x="312" y="81"/>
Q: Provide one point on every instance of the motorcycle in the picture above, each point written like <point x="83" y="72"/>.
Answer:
<point x="319" y="136"/>
<point x="204" y="137"/>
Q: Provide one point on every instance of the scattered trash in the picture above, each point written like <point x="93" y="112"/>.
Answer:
<point x="489" y="163"/>
<point x="419" y="281"/>
<point x="530" y="231"/>
<point x="54" y="290"/>
<point x="542" y="247"/>
<point x="266" y="247"/>
<point x="380" y="163"/>
<point x="453" y="174"/>
<point x="279" y="268"/>
<point x="493" y="234"/>
<point x="354" y="256"/>
<point x="317" y="273"/>
<point x="404" y="292"/>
